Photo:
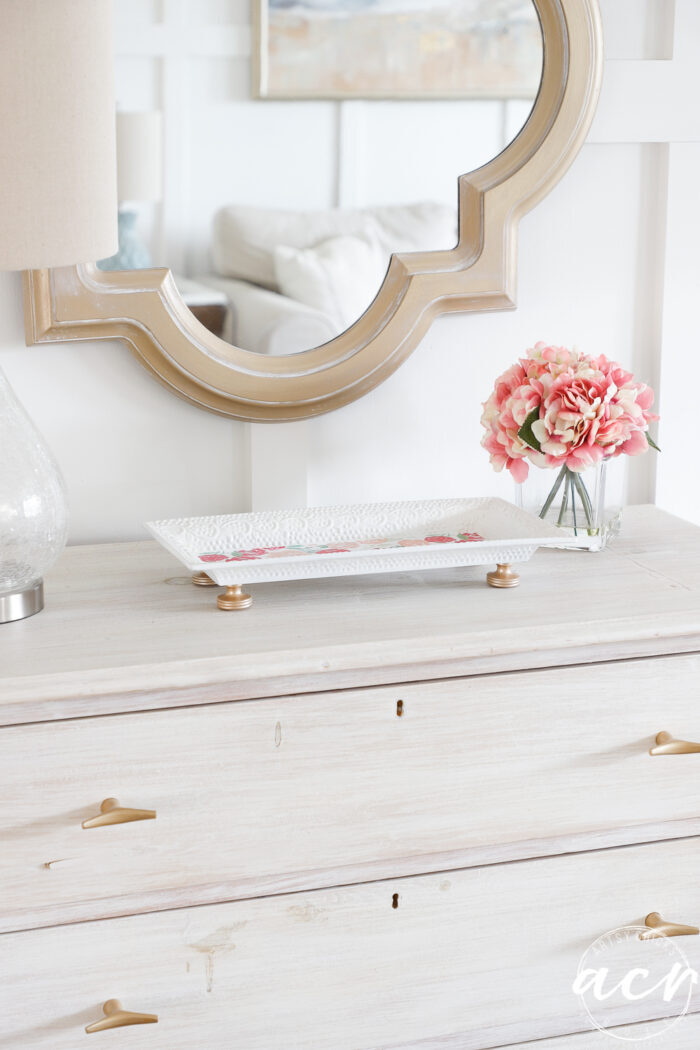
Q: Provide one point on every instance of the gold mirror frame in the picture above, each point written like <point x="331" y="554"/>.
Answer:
<point x="144" y="308"/>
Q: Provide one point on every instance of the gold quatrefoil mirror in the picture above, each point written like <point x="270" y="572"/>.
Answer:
<point x="335" y="223"/>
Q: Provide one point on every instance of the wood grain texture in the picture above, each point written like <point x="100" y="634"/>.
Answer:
<point x="467" y="961"/>
<point x="685" y="1035"/>
<point x="116" y="636"/>
<point x="307" y="791"/>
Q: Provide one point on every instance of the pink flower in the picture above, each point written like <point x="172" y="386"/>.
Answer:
<point x="543" y="359"/>
<point x="501" y="440"/>
<point x="570" y="418"/>
<point x="598" y="413"/>
<point x="213" y="557"/>
<point x="439" y="539"/>
<point x="580" y="410"/>
<point x="334" y="550"/>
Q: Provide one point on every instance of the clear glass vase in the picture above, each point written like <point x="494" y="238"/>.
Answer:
<point x="33" y="511"/>
<point x="573" y="501"/>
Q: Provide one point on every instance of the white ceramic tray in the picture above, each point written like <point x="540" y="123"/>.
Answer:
<point x="304" y="544"/>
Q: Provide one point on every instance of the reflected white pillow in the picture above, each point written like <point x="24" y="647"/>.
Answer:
<point x="340" y="276"/>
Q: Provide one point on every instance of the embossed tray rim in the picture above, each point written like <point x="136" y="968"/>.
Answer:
<point x="510" y="535"/>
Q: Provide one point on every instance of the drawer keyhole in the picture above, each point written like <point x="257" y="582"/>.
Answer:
<point x="399" y="708"/>
<point x="395" y="901"/>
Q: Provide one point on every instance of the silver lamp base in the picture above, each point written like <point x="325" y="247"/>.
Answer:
<point x="21" y="604"/>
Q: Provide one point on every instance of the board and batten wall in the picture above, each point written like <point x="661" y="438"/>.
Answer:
<point x="192" y="60"/>
<point x="608" y="262"/>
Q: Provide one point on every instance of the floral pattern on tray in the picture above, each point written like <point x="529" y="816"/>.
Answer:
<point x="342" y="547"/>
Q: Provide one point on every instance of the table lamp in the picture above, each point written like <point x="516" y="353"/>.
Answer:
<point x="57" y="208"/>
<point x="139" y="178"/>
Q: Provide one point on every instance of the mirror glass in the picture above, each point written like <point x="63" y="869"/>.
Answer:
<point x="275" y="159"/>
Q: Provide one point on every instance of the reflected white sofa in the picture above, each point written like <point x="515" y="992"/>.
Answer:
<point x="246" y="246"/>
<point x="267" y="322"/>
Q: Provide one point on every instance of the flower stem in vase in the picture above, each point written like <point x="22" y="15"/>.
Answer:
<point x="574" y="486"/>
<point x="564" y="503"/>
<point x="586" y="501"/>
<point x="573" y="503"/>
<point x="555" y="488"/>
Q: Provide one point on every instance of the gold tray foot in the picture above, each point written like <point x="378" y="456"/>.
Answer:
<point x="201" y="579"/>
<point x="234" y="598"/>
<point x="503" y="577"/>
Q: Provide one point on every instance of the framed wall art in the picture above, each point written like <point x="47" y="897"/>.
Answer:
<point x="397" y="49"/>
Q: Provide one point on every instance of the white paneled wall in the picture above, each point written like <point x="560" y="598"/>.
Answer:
<point x="192" y="59"/>
<point x="608" y="261"/>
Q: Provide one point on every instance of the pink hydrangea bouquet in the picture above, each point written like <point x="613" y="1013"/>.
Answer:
<point x="563" y="409"/>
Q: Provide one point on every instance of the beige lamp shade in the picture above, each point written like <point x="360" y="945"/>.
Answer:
<point x="58" y="195"/>
<point x="139" y="156"/>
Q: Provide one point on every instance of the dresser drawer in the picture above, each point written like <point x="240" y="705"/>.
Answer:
<point x="472" y="959"/>
<point x="265" y="796"/>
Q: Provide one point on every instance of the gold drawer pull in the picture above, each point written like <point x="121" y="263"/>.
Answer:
<point x="668" y="745"/>
<point x="115" y="1017"/>
<point x="112" y="813"/>
<point x="658" y="927"/>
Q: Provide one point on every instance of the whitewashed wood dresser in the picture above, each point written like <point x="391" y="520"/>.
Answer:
<point x="370" y="813"/>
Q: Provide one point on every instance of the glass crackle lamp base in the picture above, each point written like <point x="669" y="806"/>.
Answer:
<point x="18" y="605"/>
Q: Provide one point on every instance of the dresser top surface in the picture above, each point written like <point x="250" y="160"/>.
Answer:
<point x="124" y="629"/>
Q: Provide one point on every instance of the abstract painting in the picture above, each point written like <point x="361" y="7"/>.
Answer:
<point x="398" y="49"/>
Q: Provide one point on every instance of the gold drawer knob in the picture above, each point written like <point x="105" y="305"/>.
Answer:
<point x="668" y="745"/>
<point x="658" y="927"/>
<point x="112" y="813"/>
<point x="115" y="1017"/>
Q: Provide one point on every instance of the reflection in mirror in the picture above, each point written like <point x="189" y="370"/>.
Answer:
<point x="279" y="212"/>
